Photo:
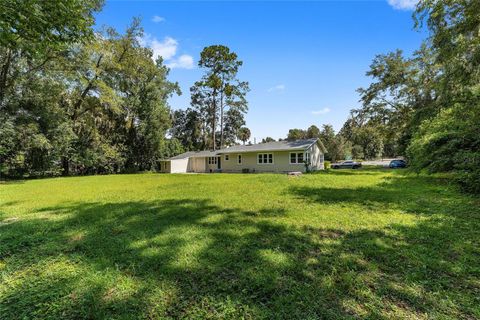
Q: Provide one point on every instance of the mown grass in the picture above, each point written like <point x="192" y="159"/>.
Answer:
<point x="333" y="245"/>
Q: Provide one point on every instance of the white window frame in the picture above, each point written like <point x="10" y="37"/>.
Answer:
<point x="296" y="153"/>
<point x="227" y="157"/>
<point x="307" y="157"/>
<point x="212" y="160"/>
<point x="239" y="159"/>
<point x="265" y="153"/>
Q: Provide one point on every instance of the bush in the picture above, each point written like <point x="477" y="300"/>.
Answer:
<point x="450" y="143"/>
<point x="326" y="164"/>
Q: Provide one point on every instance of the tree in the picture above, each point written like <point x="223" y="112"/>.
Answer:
<point x="244" y="134"/>
<point x="234" y="120"/>
<point x="327" y="136"/>
<point x="268" y="139"/>
<point x="34" y="33"/>
<point x="219" y="88"/>
<point x="313" y="132"/>
<point x="98" y="105"/>
<point x="188" y="128"/>
<point x="449" y="139"/>
<point x="296" y="134"/>
<point x="371" y="141"/>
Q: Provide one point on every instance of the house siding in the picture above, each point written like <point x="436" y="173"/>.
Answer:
<point x="197" y="164"/>
<point x="281" y="163"/>
<point x="178" y="166"/>
<point x="316" y="157"/>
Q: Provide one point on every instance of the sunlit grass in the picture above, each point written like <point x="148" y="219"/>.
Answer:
<point x="339" y="244"/>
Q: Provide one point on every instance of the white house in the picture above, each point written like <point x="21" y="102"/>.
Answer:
<point x="279" y="156"/>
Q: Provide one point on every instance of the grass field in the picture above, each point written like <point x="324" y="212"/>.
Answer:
<point x="333" y="245"/>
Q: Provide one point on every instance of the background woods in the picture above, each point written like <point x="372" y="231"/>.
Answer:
<point x="75" y="100"/>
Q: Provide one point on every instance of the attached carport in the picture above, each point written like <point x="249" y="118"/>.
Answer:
<point x="188" y="162"/>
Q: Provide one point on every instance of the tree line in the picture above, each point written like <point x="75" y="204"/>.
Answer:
<point x="74" y="100"/>
<point x="425" y="107"/>
<point x="216" y="117"/>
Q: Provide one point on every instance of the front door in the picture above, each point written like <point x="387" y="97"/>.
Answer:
<point x="219" y="166"/>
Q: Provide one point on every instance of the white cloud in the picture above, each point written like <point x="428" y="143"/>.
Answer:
<point x="403" y="4"/>
<point x="167" y="49"/>
<point x="158" y="19"/>
<point x="277" y="88"/>
<point x="185" y="61"/>
<point x="320" y="112"/>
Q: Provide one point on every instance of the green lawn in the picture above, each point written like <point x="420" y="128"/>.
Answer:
<point x="342" y="244"/>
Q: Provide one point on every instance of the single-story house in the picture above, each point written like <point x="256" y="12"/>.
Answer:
<point x="278" y="156"/>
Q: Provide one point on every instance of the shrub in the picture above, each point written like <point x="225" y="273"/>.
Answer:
<point x="327" y="164"/>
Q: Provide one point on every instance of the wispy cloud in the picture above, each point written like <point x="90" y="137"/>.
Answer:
<point x="185" y="61"/>
<point x="158" y="19"/>
<point x="403" y="4"/>
<point x="321" y="111"/>
<point x="277" y="88"/>
<point x="167" y="49"/>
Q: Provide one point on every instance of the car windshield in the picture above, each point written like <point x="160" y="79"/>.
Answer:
<point x="348" y="162"/>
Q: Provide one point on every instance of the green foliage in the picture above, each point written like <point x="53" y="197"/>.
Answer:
<point x="313" y="132"/>
<point x="339" y="245"/>
<point x="296" y="134"/>
<point x="450" y="142"/>
<point x="220" y="97"/>
<point x="268" y="139"/>
<point x="428" y="104"/>
<point x="75" y="102"/>
<point x="371" y="141"/>
<point x="244" y="134"/>
<point x="189" y="129"/>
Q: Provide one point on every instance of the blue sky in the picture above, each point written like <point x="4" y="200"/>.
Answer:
<point x="303" y="60"/>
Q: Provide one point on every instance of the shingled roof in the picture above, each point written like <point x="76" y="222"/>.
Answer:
<point x="194" y="154"/>
<point x="284" y="145"/>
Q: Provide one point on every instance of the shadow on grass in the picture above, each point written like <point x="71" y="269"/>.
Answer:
<point x="192" y="259"/>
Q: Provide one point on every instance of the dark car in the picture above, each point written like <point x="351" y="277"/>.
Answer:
<point x="397" y="164"/>
<point x="349" y="164"/>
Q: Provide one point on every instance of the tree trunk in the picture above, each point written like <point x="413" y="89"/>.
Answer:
<point x="221" y="112"/>
<point x="214" y="118"/>
<point x="4" y="75"/>
<point x="221" y="120"/>
<point x="65" y="166"/>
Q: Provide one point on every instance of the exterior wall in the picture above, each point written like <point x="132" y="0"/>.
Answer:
<point x="179" y="166"/>
<point x="316" y="158"/>
<point x="165" y="166"/>
<point x="196" y="164"/>
<point x="281" y="163"/>
<point x="212" y="167"/>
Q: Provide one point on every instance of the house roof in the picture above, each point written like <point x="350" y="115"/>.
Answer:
<point x="194" y="154"/>
<point x="284" y="145"/>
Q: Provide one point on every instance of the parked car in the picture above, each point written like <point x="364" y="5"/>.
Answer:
<point x="349" y="164"/>
<point x="397" y="164"/>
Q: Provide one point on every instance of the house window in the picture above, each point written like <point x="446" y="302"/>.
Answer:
<point x="265" y="158"/>
<point x="239" y="159"/>
<point x="307" y="157"/>
<point x="212" y="160"/>
<point x="227" y="157"/>
<point x="298" y="157"/>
